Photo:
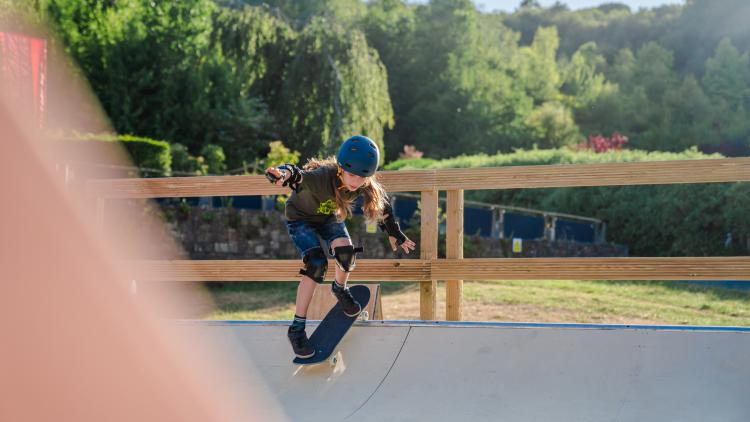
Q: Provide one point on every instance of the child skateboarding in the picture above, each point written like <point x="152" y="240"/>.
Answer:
<point x="323" y="192"/>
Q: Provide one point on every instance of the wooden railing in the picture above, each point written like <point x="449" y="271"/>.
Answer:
<point x="428" y="269"/>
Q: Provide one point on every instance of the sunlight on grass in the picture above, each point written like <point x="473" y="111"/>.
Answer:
<point x="626" y="302"/>
<point x="660" y="302"/>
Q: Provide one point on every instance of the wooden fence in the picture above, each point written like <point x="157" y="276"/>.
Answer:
<point x="428" y="269"/>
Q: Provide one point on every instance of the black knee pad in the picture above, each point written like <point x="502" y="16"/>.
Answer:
<point x="316" y="265"/>
<point x="345" y="257"/>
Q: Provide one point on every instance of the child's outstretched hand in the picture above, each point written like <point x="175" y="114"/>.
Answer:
<point x="277" y="174"/>
<point x="407" y="246"/>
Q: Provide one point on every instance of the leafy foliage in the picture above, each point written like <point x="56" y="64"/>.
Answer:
<point x="184" y="164"/>
<point x="151" y="155"/>
<point x="335" y="87"/>
<point x="441" y="76"/>
<point x="280" y="154"/>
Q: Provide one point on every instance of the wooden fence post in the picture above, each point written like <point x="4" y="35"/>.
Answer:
<point x="428" y="250"/>
<point x="454" y="249"/>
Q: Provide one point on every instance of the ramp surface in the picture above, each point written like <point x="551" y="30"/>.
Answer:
<point x="514" y="372"/>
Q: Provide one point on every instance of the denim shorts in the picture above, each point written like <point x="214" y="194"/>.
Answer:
<point x="306" y="235"/>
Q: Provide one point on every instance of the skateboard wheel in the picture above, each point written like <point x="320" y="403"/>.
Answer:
<point x="364" y="316"/>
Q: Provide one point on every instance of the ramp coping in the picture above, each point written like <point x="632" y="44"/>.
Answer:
<point x="419" y="323"/>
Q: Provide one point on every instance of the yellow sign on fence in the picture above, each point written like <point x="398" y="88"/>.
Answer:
<point x="517" y="245"/>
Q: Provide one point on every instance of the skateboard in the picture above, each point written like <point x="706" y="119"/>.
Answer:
<point x="333" y="327"/>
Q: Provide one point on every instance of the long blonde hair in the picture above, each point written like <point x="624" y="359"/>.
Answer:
<point x="372" y="191"/>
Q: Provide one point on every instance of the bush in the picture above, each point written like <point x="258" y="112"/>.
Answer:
<point x="551" y="125"/>
<point x="279" y="154"/>
<point x="215" y="158"/>
<point x="184" y="164"/>
<point x="151" y="156"/>
<point x="148" y="154"/>
<point x="530" y="157"/>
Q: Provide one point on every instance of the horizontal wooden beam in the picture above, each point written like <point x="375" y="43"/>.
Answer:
<point x="177" y="187"/>
<point x="514" y="177"/>
<point x="386" y="270"/>
<point x="606" y="174"/>
<point x="641" y="268"/>
<point x="274" y="270"/>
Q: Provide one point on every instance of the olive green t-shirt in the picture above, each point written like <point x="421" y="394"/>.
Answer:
<point x="316" y="199"/>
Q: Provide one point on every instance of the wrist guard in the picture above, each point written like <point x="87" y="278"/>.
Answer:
<point x="390" y="226"/>
<point x="294" y="178"/>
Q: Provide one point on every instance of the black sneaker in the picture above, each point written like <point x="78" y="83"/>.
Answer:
<point x="300" y="343"/>
<point x="349" y="305"/>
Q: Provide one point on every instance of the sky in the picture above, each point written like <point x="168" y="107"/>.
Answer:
<point x="511" y="5"/>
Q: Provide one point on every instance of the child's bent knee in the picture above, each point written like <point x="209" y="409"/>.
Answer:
<point x="346" y="256"/>
<point x="316" y="265"/>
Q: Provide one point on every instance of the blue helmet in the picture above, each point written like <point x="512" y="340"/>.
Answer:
<point x="359" y="155"/>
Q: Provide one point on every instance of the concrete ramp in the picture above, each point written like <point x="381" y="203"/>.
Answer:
<point x="510" y="372"/>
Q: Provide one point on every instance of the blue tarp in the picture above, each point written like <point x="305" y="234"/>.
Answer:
<point x="575" y="231"/>
<point x="240" y="202"/>
<point x="477" y="220"/>
<point x="523" y="226"/>
<point x="404" y="210"/>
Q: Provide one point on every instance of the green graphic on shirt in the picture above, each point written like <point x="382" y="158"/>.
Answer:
<point x="328" y="207"/>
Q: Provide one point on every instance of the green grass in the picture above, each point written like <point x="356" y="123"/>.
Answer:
<point x="265" y="300"/>
<point x="548" y="300"/>
<point x="253" y="301"/>
<point x="593" y="301"/>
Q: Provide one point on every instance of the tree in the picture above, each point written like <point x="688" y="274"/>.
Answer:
<point x="389" y="26"/>
<point x="644" y="80"/>
<point x="539" y="67"/>
<point x="612" y="26"/>
<point x="466" y="91"/>
<point x="687" y="118"/>
<point x="551" y="126"/>
<point x="726" y="74"/>
<point x="596" y="102"/>
<point x="258" y="46"/>
<point x="300" y="13"/>
<point x="653" y="70"/>
<point x="583" y="82"/>
<point x="726" y="84"/>
<point x="254" y="49"/>
<point x="148" y="63"/>
<point x="431" y="111"/>
<point x="716" y="20"/>
<point x="334" y="87"/>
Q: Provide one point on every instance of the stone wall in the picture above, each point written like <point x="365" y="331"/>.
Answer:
<point x="222" y="233"/>
<point x="249" y="234"/>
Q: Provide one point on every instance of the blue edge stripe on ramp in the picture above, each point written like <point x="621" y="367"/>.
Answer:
<point x="496" y="324"/>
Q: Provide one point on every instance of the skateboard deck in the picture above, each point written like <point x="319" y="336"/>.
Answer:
<point x="332" y="328"/>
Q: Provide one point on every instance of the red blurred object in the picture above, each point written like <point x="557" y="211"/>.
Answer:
<point x="600" y="144"/>
<point x="410" y="153"/>
<point x="23" y="71"/>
